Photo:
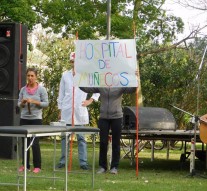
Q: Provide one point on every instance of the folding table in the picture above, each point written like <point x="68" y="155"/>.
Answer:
<point x="33" y="131"/>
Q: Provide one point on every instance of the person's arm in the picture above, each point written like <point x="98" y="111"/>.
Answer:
<point x="129" y="90"/>
<point x="94" y="97"/>
<point x="61" y="93"/>
<point x="87" y="102"/>
<point x="44" y="102"/>
<point x="89" y="90"/>
<point x="29" y="100"/>
<point x="21" y="100"/>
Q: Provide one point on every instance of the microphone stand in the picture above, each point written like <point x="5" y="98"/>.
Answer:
<point x="195" y="121"/>
<point x="198" y="80"/>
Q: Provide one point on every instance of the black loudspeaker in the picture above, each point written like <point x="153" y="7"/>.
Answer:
<point x="9" y="113"/>
<point x="9" y="116"/>
<point x="9" y="147"/>
<point x="13" y="55"/>
<point x="150" y="118"/>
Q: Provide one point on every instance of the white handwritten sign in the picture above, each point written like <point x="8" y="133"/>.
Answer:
<point x="105" y="63"/>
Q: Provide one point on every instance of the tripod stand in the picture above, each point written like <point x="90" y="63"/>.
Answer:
<point x="195" y="121"/>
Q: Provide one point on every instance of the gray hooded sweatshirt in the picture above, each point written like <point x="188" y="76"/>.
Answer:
<point x="111" y="100"/>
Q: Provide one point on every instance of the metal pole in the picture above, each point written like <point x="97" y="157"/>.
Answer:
<point x="108" y="38"/>
<point x="108" y="19"/>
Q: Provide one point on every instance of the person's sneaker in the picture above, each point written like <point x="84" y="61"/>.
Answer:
<point x="21" y="169"/>
<point x="85" y="167"/>
<point x="60" y="165"/>
<point x="101" y="170"/>
<point x="36" y="170"/>
<point x="114" y="170"/>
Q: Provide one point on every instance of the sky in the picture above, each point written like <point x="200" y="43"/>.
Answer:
<point x="191" y="17"/>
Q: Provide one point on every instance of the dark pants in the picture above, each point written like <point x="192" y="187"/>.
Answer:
<point x="105" y="125"/>
<point x="35" y="146"/>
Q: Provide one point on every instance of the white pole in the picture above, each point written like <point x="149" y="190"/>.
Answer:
<point x="192" y="157"/>
<point x="108" y="19"/>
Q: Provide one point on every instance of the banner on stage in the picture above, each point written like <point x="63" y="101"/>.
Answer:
<point x="105" y="63"/>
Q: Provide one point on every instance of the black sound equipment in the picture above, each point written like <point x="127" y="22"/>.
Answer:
<point x="9" y="116"/>
<point x="13" y="55"/>
<point x="9" y="147"/>
<point x="149" y="118"/>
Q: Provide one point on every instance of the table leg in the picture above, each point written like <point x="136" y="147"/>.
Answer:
<point x="168" y="149"/>
<point x="25" y="163"/>
<point x="18" y="162"/>
<point x="152" y="150"/>
<point x="93" y="163"/>
<point x="206" y="156"/>
<point x="66" y="161"/>
<point x="54" y="160"/>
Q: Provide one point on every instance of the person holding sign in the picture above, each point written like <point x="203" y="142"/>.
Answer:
<point x="110" y="119"/>
<point x="81" y="117"/>
<point x="108" y="67"/>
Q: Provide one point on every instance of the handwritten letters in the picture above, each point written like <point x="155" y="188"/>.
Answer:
<point x="105" y="63"/>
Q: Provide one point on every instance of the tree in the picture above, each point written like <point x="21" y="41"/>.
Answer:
<point x="88" y="17"/>
<point x="55" y="51"/>
<point x="200" y="6"/>
<point x="147" y="21"/>
<point x="200" y="57"/>
<point x="195" y="4"/>
<point x="21" y="11"/>
<point x="170" y="78"/>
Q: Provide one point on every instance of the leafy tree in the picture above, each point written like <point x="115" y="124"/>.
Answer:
<point x="171" y="78"/>
<point x="55" y="51"/>
<point x="154" y="30"/>
<point x="195" y="4"/>
<point x="153" y="24"/>
<point x="88" y="17"/>
<point x="198" y="53"/>
<point x="21" y="11"/>
<point x="167" y="79"/>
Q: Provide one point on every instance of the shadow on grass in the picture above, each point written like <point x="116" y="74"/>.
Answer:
<point x="164" y="165"/>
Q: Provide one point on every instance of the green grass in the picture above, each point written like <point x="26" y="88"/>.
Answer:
<point x="159" y="175"/>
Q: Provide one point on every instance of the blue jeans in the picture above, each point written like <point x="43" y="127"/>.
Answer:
<point x="82" y="150"/>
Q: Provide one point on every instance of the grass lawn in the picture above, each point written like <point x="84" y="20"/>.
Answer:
<point x="159" y="175"/>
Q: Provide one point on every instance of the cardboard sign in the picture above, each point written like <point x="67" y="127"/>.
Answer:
<point x="105" y="63"/>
